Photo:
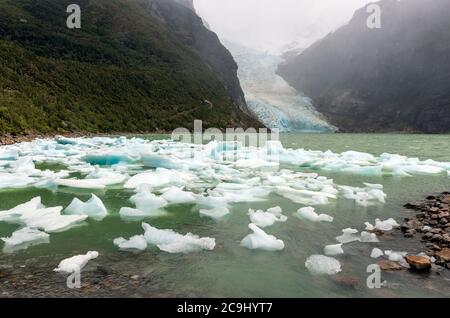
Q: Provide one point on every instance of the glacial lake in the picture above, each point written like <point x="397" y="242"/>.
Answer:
<point x="231" y="270"/>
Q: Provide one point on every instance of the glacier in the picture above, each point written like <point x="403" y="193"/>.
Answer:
<point x="274" y="102"/>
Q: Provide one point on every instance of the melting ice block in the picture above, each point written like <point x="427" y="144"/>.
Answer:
<point x="215" y="213"/>
<point x="23" y="238"/>
<point x="175" y="195"/>
<point x="172" y="242"/>
<point x="376" y="252"/>
<point x="323" y="265"/>
<point x="137" y="242"/>
<point x="261" y="240"/>
<point x="332" y="250"/>
<point x="75" y="263"/>
<point x="131" y="214"/>
<point x="93" y="208"/>
<point x="13" y="215"/>
<point x="386" y="225"/>
<point x="264" y="219"/>
<point x="159" y="178"/>
<point x="308" y="213"/>
<point x="348" y="236"/>
<point x="50" y="219"/>
<point x="367" y="237"/>
<point x="81" y="184"/>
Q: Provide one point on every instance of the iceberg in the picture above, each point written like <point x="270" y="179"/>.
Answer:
<point x="332" y="250"/>
<point x="13" y="215"/>
<point x="265" y="219"/>
<point x="50" y="219"/>
<point x="159" y="178"/>
<point x="146" y="201"/>
<point x="172" y="242"/>
<point x="308" y="213"/>
<point x="348" y="236"/>
<point x="94" y="208"/>
<point x="386" y="225"/>
<point x="76" y="263"/>
<point x="24" y="238"/>
<point x="376" y="253"/>
<point x="323" y="265"/>
<point x="215" y="213"/>
<point x="174" y="195"/>
<point x="137" y="242"/>
<point x="261" y="240"/>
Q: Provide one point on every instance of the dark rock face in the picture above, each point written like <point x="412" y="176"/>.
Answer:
<point x="191" y="31"/>
<point x="389" y="79"/>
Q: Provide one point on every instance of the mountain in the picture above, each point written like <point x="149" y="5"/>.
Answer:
<point x="395" y="78"/>
<point x="130" y="68"/>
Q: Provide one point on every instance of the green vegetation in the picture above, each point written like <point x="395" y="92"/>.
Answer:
<point x="123" y="71"/>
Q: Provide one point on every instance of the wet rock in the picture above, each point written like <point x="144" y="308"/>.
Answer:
<point x="446" y="199"/>
<point x="444" y="215"/>
<point x="418" y="263"/>
<point x="443" y="221"/>
<point x="346" y="281"/>
<point x="389" y="266"/>
<point x="410" y="233"/>
<point x="444" y="255"/>
<point x="433" y="210"/>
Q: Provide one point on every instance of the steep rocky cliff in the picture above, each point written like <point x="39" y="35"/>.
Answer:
<point x="129" y="68"/>
<point x="391" y="79"/>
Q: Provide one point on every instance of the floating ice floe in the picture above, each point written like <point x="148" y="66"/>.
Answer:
<point x="332" y="250"/>
<point x="137" y="242"/>
<point x="397" y="257"/>
<point x="159" y="178"/>
<point x="93" y="208"/>
<point x="24" y="238"/>
<point x="264" y="219"/>
<point x="386" y="225"/>
<point x="348" y="236"/>
<point x="215" y="213"/>
<point x="323" y="265"/>
<point x="261" y="240"/>
<point x="376" y="253"/>
<point x="367" y="237"/>
<point x="34" y="215"/>
<point x="307" y="213"/>
<point x="175" y="195"/>
<point x="76" y="263"/>
<point x="172" y="242"/>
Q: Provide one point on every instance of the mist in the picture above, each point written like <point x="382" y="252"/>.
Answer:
<point x="275" y="26"/>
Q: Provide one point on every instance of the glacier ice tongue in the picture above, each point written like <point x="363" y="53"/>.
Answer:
<point x="94" y="208"/>
<point x="309" y="214"/>
<point x="172" y="242"/>
<point x="76" y="263"/>
<point x="323" y="265"/>
<point x="24" y="238"/>
<point x="261" y="240"/>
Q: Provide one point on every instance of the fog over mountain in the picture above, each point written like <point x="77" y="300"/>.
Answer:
<point x="275" y="26"/>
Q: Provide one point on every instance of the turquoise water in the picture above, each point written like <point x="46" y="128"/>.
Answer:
<point x="232" y="271"/>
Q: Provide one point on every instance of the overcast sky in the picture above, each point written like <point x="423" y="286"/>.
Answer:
<point x="272" y="25"/>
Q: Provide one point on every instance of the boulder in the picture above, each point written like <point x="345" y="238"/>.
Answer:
<point x="444" y="255"/>
<point x="389" y="266"/>
<point x="418" y="263"/>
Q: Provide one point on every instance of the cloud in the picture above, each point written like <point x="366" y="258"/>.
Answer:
<point x="271" y="25"/>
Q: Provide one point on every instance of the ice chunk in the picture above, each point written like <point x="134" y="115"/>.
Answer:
<point x="147" y="201"/>
<point x="175" y="195"/>
<point x="154" y="160"/>
<point x="137" y="214"/>
<point x="305" y="197"/>
<point x="323" y="265"/>
<point x="9" y="154"/>
<point x="91" y="184"/>
<point x="308" y="213"/>
<point x="261" y="240"/>
<point x="50" y="219"/>
<point x="107" y="157"/>
<point x="159" y="178"/>
<point x="23" y="238"/>
<point x="376" y="252"/>
<point x="332" y="250"/>
<point x="172" y="242"/>
<point x="93" y="208"/>
<point x="367" y="237"/>
<point x="76" y="263"/>
<point x="386" y="225"/>
<point x="13" y="215"/>
<point x="137" y="242"/>
<point x="15" y="180"/>
<point x="348" y="236"/>
<point x="105" y="177"/>
<point x="215" y="213"/>
<point x="264" y="219"/>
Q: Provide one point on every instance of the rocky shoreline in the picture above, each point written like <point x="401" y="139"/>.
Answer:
<point x="431" y="224"/>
